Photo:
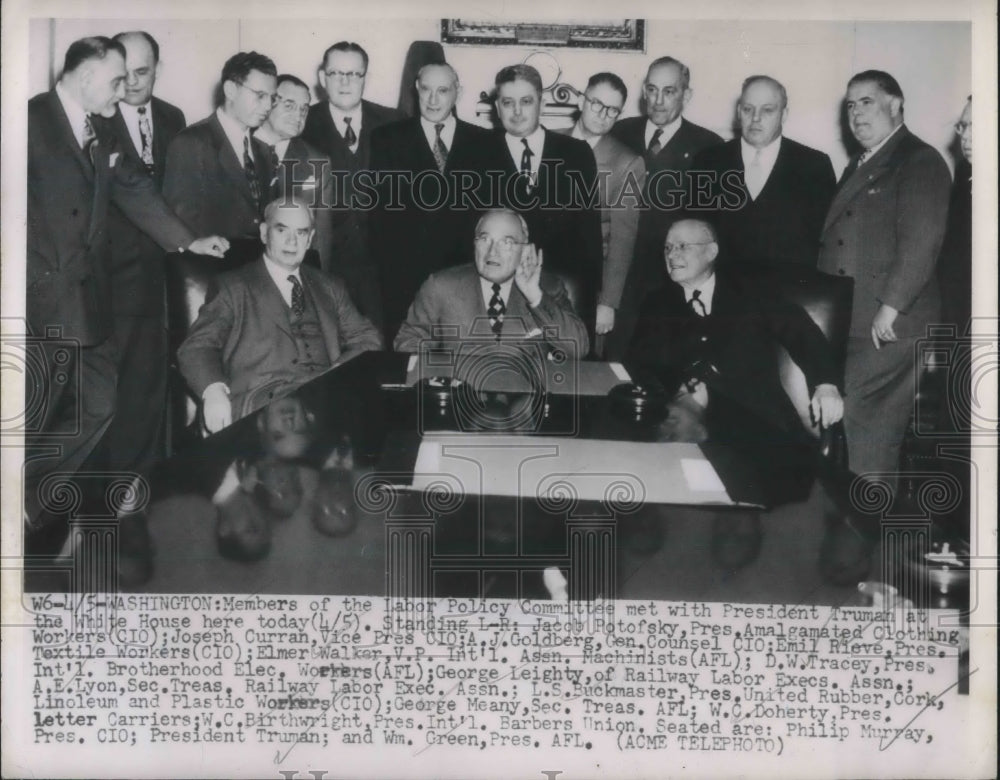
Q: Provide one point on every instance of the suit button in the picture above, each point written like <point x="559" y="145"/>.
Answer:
<point x="295" y="361"/>
<point x="270" y="394"/>
<point x="75" y="212"/>
<point x="840" y="242"/>
<point x="704" y="338"/>
<point x="850" y="213"/>
<point x="841" y="272"/>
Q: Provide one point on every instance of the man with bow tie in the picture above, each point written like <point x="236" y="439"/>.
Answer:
<point x="76" y="168"/>
<point x="301" y="170"/>
<point x="884" y="228"/>
<point x="271" y="325"/>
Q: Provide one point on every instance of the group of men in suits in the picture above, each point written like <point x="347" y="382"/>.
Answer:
<point x="602" y="206"/>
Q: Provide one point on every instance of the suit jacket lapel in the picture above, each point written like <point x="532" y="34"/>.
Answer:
<point x="67" y="132"/>
<point x="423" y="157"/>
<point x="268" y="298"/>
<point x="857" y="177"/>
<point x="228" y="160"/>
<point x="324" y="305"/>
<point x="159" y="137"/>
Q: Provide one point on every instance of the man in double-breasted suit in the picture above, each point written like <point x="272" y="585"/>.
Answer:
<point x="341" y="127"/>
<point x="621" y="176"/>
<point x="144" y="126"/>
<point x="218" y="175"/>
<point x="770" y="194"/>
<point x="884" y="229"/>
<point x="271" y="325"/>
<point x="668" y="143"/>
<point x="75" y="169"/>
<point x="504" y="295"/>
<point x="301" y="170"/>
<point x="423" y="222"/>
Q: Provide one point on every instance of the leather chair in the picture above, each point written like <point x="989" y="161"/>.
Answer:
<point x="827" y="299"/>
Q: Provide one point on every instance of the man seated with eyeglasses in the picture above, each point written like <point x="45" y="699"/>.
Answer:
<point x="301" y="170"/>
<point x="218" y="176"/>
<point x="503" y="298"/>
<point x="712" y="335"/>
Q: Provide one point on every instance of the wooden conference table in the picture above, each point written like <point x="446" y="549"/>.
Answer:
<point x="363" y="482"/>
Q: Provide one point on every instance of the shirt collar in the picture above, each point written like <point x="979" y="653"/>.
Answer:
<point x="487" y="287"/>
<point x="234" y="132"/>
<point x="767" y="155"/>
<point x="132" y="112"/>
<point x="668" y="130"/>
<point x="279" y="274"/>
<point x="448" y="122"/>
<point x="874" y="150"/>
<point x="707" y="289"/>
<point x="338" y="115"/>
<point x="536" y="141"/>
<point x="74" y="112"/>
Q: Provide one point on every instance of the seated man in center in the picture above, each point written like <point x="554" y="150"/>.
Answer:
<point x="505" y="297"/>
<point x="272" y="325"/>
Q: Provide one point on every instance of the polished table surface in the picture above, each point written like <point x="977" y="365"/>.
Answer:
<point x="313" y="471"/>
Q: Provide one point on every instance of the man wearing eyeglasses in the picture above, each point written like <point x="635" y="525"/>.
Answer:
<point x="551" y="180"/>
<point x="621" y="178"/>
<point x="218" y="175"/>
<point x="341" y="128"/>
<point x="668" y="143"/>
<point x="505" y="295"/>
<point x="437" y="157"/>
<point x="710" y="332"/>
<point x="770" y="194"/>
<point x="301" y="170"/>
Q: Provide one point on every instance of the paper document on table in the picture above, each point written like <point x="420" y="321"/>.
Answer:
<point x="701" y="476"/>
<point x="554" y="469"/>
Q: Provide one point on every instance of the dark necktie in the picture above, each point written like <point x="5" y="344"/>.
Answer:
<point x="89" y="136"/>
<point x="440" y="150"/>
<point x="697" y="304"/>
<point x="654" y="144"/>
<point x="496" y="311"/>
<point x="526" y="156"/>
<point x="146" y="132"/>
<point x="350" y="137"/>
<point x="251" y="172"/>
<point x="298" y="297"/>
<point x="275" y="165"/>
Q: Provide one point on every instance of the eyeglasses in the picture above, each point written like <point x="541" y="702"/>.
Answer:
<point x="683" y="247"/>
<point x="262" y="97"/>
<point x="961" y="127"/>
<point x="290" y="106"/>
<point x="601" y="109"/>
<point x="507" y="243"/>
<point x="350" y="75"/>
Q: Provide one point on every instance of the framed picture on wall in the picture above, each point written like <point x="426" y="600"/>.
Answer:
<point x="613" y="34"/>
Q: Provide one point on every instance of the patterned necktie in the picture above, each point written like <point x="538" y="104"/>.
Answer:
<point x="275" y="172"/>
<point x="350" y="137"/>
<point x="146" y="131"/>
<point x="298" y="297"/>
<point x="526" y="156"/>
<point x="440" y="150"/>
<point x="89" y="136"/>
<point x="251" y="172"/>
<point x="754" y="176"/>
<point x="864" y="157"/>
<point x="654" y="144"/>
<point x="697" y="304"/>
<point x="496" y="311"/>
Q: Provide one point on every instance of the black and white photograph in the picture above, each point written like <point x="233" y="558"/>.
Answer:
<point x="445" y="391"/>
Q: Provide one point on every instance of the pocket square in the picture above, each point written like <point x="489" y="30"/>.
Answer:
<point x="112" y="159"/>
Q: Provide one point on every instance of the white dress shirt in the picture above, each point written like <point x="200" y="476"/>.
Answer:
<point x="536" y="142"/>
<point x="768" y="156"/>
<point x="235" y="133"/>
<point x="707" y="292"/>
<point x="867" y="155"/>
<point x="668" y="129"/>
<point x="279" y="275"/>
<point x="487" y="288"/>
<point x="447" y="132"/>
<point x="74" y="113"/>
<point x="130" y="114"/>
<point x="338" y="121"/>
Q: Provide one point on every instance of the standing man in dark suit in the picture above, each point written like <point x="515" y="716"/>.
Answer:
<point x="272" y="324"/>
<point x="342" y="128"/>
<point x="218" y="175"/>
<point x="669" y="144"/>
<point x="412" y="234"/>
<point x="769" y="194"/>
<point x="301" y="170"/>
<point x="548" y="178"/>
<point x="75" y="169"/>
<point x="621" y="178"/>
<point x="143" y="126"/>
<point x="884" y="228"/>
